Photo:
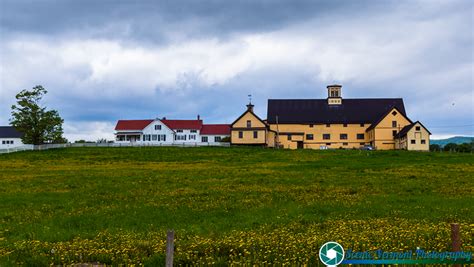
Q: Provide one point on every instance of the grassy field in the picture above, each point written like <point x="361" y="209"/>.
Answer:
<point x="227" y="205"/>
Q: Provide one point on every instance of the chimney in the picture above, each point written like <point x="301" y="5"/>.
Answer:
<point x="199" y="117"/>
<point x="164" y="118"/>
<point x="334" y="94"/>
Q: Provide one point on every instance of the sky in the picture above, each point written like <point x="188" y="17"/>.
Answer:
<point x="107" y="60"/>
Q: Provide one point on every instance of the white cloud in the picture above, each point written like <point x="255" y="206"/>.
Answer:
<point x="89" y="131"/>
<point x="397" y="54"/>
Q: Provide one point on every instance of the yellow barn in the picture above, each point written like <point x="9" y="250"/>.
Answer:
<point x="334" y="122"/>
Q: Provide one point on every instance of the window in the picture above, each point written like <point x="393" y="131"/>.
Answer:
<point x="311" y="125"/>
<point x="413" y="141"/>
<point x="147" y="137"/>
<point x="417" y="128"/>
<point x="289" y="136"/>
<point x="179" y="131"/>
<point x="309" y="137"/>
<point x="326" y="136"/>
<point x="204" y="139"/>
<point x="360" y="136"/>
<point x="394" y="132"/>
<point x="193" y="131"/>
<point x="217" y="138"/>
<point x="154" y="137"/>
<point x="394" y="123"/>
<point x="157" y="127"/>
<point x="192" y="137"/>
<point x="255" y="134"/>
<point x="162" y="137"/>
<point x="394" y="113"/>
<point x="343" y="136"/>
<point x="344" y="125"/>
<point x="328" y="125"/>
<point x="241" y="134"/>
<point x="345" y="144"/>
<point x="180" y="137"/>
<point x="328" y="144"/>
<point x="423" y="141"/>
<point x="3" y="142"/>
<point x="249" y="124"/>
<point x="362" y="125"/>
<point x="361" y="144"/>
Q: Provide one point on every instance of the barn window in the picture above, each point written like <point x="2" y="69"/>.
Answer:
<point x="241" y="134"/>
<point x="249" y="124"/>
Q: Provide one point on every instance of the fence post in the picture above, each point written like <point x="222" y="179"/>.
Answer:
<point x="455" y="237"/>
<point x="169" y="248"/>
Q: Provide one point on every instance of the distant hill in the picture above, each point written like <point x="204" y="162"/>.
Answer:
<point x="455" y="139"/>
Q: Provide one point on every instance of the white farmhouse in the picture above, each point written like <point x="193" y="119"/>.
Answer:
<point x="10" y="137"/>
<point x="163" y="131"/>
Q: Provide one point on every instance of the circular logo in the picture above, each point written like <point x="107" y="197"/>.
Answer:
<point x="331" y="253"/>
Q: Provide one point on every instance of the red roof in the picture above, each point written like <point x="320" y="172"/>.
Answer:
<point x="214" y="129"/>
<point x="132" y="124"/>
<point x="183" y="124"/>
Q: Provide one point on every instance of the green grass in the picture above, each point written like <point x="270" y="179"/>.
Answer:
<point x="59" y="195"/>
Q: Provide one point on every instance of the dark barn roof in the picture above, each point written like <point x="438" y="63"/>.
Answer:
<point x="9" y="132"/>
<point x="307" y="111"/>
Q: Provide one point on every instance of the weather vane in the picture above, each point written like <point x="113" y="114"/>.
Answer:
<point x="250" y="99"/>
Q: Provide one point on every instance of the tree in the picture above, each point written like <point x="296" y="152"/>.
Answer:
<point x="435" y="147"/>
<point x="450" y="147"/>
<point x="37" y="124"/>
<point x="465" y="147"/>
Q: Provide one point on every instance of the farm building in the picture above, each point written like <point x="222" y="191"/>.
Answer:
<point x="10" y="137"/>
<point x="334" y="122"/>
<point x="164" y="131"/>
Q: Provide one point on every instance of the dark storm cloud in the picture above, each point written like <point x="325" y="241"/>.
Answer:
<point x="158" y="21"/>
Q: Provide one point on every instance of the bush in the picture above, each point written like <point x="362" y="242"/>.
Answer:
<point x="225" y="139"/>
<point x="435" y="147"/>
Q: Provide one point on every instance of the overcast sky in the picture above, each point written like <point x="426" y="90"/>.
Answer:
<point x="107" y="60"/>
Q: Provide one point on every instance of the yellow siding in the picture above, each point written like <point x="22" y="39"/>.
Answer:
<point x="242" y="122"/>
<point x="317" y="131"/>
<point x="383" y="132"/>
<point x="248" y="137"/>
<point x="422" y="134"/>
